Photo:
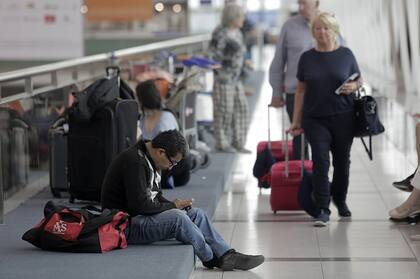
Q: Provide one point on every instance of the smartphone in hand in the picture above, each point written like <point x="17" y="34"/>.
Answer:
<point x="353" y="77"/>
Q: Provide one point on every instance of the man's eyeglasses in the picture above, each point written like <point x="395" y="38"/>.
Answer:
<point x="173" y="163"/>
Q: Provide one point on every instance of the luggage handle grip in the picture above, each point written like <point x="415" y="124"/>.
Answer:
<point x="112" y="70"/>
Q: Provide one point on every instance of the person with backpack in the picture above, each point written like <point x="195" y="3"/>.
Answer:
<point x="132" y="185"/>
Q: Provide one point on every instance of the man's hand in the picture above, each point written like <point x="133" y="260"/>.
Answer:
<point x="181" y="204"/>
<point x="277" y="101"/>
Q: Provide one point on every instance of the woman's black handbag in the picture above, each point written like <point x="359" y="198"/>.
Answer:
<point x="367" y="120"/>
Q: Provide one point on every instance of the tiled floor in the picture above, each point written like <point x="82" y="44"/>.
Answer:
<point x="367" y="246"/>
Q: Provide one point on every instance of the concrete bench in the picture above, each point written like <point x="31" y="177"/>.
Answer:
<point x="166" y="259"/>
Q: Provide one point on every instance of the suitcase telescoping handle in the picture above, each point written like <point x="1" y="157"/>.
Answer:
<point x="302" y="154"/>
<point x="269" y="125"/>
<point x="269" y="132"/>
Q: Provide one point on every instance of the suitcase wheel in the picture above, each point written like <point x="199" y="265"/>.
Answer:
<point x="275" y="211"/>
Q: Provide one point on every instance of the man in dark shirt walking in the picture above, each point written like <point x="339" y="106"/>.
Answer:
<point x="132" y="184"/>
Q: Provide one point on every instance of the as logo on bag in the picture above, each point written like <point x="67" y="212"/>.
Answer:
<point x="60" y="227"/>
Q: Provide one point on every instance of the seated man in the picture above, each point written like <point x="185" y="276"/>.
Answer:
<point x="132" y="184"/>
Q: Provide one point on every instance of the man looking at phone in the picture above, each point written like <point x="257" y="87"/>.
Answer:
<point x="132" y="184"/>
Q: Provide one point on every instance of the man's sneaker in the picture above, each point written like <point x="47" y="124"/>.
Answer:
<point x="343" y="209"/>
<point x="234" y="260"/>
<point x="212" y="263"/>
<point x="405" y="184"/>
<point x="323" y="218"/>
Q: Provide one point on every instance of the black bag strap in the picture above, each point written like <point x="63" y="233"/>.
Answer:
<point x="95" y="221"/>
<point x="92" y="208"/>
<point x="369" y="150"/>
<point x="360" y="92"/>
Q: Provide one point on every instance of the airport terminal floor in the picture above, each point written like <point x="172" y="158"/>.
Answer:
<point x="368" y="245"/>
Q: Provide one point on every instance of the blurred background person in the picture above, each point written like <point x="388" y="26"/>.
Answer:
<point x="154" y="119"/>
<point x="229" y="101"/>
<point x="295" y="38"/>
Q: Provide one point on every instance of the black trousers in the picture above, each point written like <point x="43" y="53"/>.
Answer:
<point x="330" y="134"/>
<point x="297" y="144"/>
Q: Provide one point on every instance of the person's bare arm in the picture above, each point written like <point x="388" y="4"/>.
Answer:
<point x="295" y="129"/>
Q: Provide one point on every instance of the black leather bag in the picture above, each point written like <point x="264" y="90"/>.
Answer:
<point x="367" y="123"/>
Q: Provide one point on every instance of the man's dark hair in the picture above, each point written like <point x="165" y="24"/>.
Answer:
<point x="148" y="95"/>
<point x="172" y="141"/>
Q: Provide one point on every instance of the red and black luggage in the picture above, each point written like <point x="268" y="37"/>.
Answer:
<point x="285" y="181"/>
<point x="86" y="230"/>
<point x="277" y="149"/>
<point x="269" y="152"/>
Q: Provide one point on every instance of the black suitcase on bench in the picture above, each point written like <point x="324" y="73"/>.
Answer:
<point x="57" y="144"/>
<point x="93" y="144"/>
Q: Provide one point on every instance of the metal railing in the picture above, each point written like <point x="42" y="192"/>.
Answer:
<point x="81" y="70"/>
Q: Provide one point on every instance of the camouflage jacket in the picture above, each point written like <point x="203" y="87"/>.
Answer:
<point x="227" y="47"/>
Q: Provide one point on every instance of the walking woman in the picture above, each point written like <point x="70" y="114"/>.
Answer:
<point x="327" y="117"/>
<point x="229" y="101"/>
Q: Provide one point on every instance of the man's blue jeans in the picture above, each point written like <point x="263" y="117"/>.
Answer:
<point x="192" y="227"/>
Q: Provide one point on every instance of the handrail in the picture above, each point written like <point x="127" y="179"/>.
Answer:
<point x="76" y="66"/>
<point x="38" y="70"/>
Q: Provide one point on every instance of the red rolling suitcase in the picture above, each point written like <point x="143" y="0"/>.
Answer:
<point x="285" y="182"/>
<point x="269" y="152"/>
<point x="277" y="147"/>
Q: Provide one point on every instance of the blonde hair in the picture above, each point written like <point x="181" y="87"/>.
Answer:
<point x="231" y="12"/>
<point x="328" y="20"/>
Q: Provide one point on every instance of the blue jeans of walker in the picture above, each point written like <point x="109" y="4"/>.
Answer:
<point x="192" y="227"/>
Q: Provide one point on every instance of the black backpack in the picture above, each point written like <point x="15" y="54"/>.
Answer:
<point x="100" y="93"/>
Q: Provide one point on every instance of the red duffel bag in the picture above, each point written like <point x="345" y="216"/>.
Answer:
<point x="86" y="230"/>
